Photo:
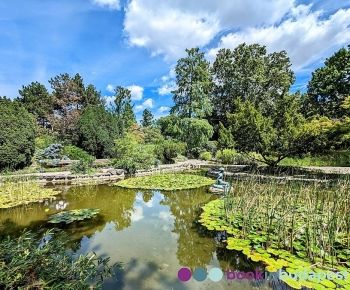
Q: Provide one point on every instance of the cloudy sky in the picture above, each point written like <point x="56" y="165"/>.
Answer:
<point x="136" y="43"/>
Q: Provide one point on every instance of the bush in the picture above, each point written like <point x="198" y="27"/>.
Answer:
<point x="17" y="133"/>
<point x="227" y="156"/>
<point x="45" y="262"/>
<point x="207" y="156"/>
<point x="132" y="155"/>
<point x="44" y="141"/>
<point x="54" y="151"/>
<point x="168" y="150"/>
<point x="76" y="153"/>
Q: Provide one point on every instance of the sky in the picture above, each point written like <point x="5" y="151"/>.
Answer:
<point x="136" y="43"/>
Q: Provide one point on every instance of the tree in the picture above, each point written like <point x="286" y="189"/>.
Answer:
<point x="37" y="100"/>
<point x="68" y="95"/>
<point x="147" y="118"/>
<point x="92" y="97"/>
<point x="225" y="140"/>
<point x="329" y="86"/>
<point x="196" y="132"/>
<point x="97" y="130"/>
<point x="124" y="109"/>
<point x="17" y="135"/>
<point x="274" y="136"/>
<point x="194" y="82"/>
<point x="249" y="73"/>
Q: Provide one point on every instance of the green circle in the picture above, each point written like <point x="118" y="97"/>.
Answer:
<point x="200" y="274"/>
<point x="215" y="274"/>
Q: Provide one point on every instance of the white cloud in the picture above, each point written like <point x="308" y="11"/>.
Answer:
<point x="166" y="89"/>
<point x="167" y="27"/>
<point x="110" y="88"/>
<point x="163" y="109"/>
<point x="304" y="35"/>
<point x="111" y="4"/>
<point x="146" y="104"/>
<point x="136" y="92"/>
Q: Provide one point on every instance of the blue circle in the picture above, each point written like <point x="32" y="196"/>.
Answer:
<point x="215" y="274"/>
<point x="200" y="274"/>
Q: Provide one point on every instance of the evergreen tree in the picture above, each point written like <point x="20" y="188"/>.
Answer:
<point x="147" y="118"/>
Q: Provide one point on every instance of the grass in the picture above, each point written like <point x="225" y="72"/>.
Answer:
<point x="166" y="182"/>
<point x="287" y="226"/>
<point x="14" y="194"/>
<point x="337" y="158"/>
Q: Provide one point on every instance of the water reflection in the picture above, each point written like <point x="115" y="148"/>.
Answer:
<point x="153" y="234"/>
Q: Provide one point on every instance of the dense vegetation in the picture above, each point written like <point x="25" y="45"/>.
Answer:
<point x="32" y="261"/>
<point x="241" y="102"/>
<point x="295" y="227"/>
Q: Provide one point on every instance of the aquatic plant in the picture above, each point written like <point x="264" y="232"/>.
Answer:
<point x="18" y="193"/>
<point x="168" y="181"/>
<point x="68" y="217"/>
<point x="43" y="262"/>
<point x="289" y="226"/>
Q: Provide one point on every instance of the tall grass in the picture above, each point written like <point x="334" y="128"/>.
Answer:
<point x="312" y="220"/>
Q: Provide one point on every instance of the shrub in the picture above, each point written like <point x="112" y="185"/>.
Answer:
<point x="227" y="156"/>
<point x="45" y="262"/>
<point x="54" y="151"/>
<point x="132" y="155"/>
<point x="168" y="150"/>
<point x="17" y="133"/>
<point x="76" y="153"/>
<point x="207" y="156"/>
<point x="44" y="141"/>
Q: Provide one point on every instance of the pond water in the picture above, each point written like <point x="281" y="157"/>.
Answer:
<point x="153" y="234"/>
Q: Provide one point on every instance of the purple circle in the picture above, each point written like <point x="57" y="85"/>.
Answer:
<point x="184" y="274"/>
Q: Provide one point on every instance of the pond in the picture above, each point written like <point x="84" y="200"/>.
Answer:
<point x="152" y="233"/>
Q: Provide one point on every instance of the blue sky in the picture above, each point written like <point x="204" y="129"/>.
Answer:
<point x="136" y="43"/>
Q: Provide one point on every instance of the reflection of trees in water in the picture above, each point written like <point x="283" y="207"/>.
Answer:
<point x="195" y="249"/>
<point x="115" y="204"/>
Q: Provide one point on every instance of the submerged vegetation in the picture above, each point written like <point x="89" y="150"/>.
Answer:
<point x="166" y="182"/>
<point x="295" y="227"/>
<point x="14" y="194"/>
<point x="68" y="217"/>
<point x="32" y="261"/>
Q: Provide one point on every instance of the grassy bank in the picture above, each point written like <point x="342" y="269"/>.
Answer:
<point x="337" y="158"/>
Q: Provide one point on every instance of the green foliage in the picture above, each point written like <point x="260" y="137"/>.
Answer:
<point x="68" y="217"/>
<point x="331" y="158"/>
<point x="17" y="133"/>
<point x="194" y="82"/>
<point x="196" y="132"/>
<point x="152" y="135"/>
<point x="124" y="109"/>
<point x="76" y="153"/>
<point x="14" y="194"/>
<point x="132" y="155"/>
<point x="44" y="141"/>
<point x="249" y="73"/>
<point x="147" y="118"/>
<point x="168" y="150"/>
<point x="43" y="262"/>
<point x="227" y="156"/>
<point x="166" y="182"/>
<point x="274" y="135"/>
<point x="329" y="86"/>
<point x="97" y="130"/>
<point x="279" y="225"/>
<point x="225" y="139"/>
<point x="37" y="100"/>
<point x="207" y="156"/>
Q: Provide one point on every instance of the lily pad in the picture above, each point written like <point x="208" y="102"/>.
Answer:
<point x="68" y="217"/>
